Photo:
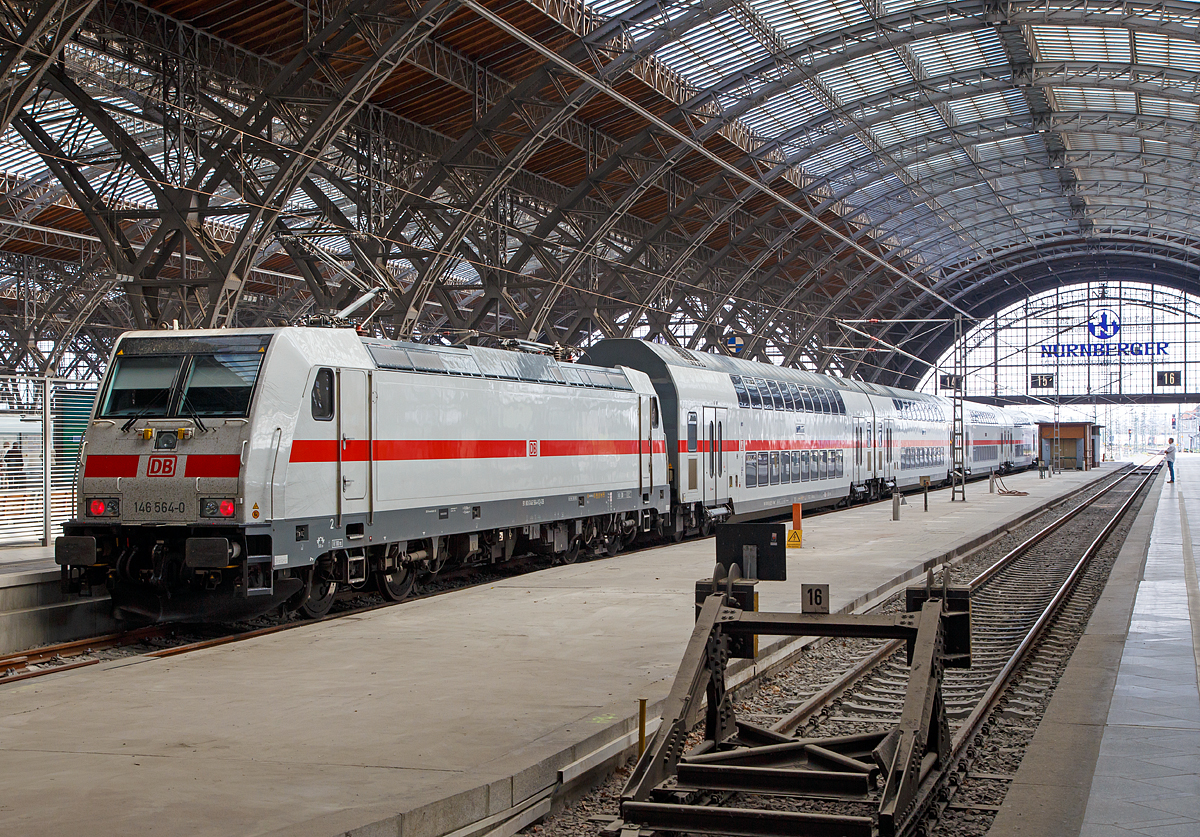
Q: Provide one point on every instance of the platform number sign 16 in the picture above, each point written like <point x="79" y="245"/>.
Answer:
<point x="814" y="598"/>
<point x="1172" y="378"/>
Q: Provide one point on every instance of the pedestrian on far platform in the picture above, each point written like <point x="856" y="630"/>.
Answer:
<point x="1170" y="454"/>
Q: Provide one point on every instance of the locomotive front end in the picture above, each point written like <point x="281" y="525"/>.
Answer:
<point x="165" y="515"/>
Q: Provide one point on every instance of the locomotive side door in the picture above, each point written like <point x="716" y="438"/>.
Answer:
<point x="645" y="445"/>
<point x="353" y="454"/>
<point x="716" y="467"/>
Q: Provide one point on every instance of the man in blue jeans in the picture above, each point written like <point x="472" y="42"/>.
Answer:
<point x="1170" y="453"/>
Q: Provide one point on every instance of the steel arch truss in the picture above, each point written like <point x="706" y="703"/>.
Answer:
<point x="196" y="175"/>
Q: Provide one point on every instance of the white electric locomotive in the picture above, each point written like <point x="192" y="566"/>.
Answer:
<point x="228" y="473"/>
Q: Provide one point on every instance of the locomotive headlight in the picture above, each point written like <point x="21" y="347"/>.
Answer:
<point x="103" y="507"/>
<point x="166" y="440"/>
<point x="216" y="508"/>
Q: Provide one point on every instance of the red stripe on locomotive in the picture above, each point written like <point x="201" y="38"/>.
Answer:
<point x="212" y="465"/>
<point x="111" y="465"/>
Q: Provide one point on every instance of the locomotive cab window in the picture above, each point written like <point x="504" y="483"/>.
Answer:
<point x="693" y="428"/>
<point x="220" y="384"/>
<point x="654" y="412"/>
<point x="184" y="377"/>
<point x="141" y="386"/>
<point x="322" y="395"/>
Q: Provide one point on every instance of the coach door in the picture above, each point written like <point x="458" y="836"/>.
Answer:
<point x="353" y="420"/>
<point x="716" y="471"/>
<point x="862" y="450"/>
<point x="889" y="448"/>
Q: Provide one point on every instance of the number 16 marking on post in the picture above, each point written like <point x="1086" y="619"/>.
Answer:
<point x="814" y="598"/>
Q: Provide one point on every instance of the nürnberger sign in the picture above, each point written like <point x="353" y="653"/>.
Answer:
<point x="1104" y="325"/>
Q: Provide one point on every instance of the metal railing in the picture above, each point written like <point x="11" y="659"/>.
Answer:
<point x="42" y="422"/>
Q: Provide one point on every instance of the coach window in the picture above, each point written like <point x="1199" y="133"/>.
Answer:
<point x="774" y="467"/>
<point x="693" y="429"/>
<point x="755" y="396"/>
<point x="751" y="471"/>
<point x="742" y="396"/>
<point x="776" y="395"/>
<point x="764" y="468"/>
<point x="765" y="392"/>
<point x="795" y="466"/>
<point x="785" y="467"/>
<point x="804" y="456"/>
<point x="654" y="412"/>
<point x="322" y="395"/>
<point x="806" y="398"/>
<point x="787" y="397"/>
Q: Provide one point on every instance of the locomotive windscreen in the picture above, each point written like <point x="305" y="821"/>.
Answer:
<point x="184" y="376"/>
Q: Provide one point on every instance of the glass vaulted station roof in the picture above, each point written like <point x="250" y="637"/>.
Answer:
<point x="947" y="127"/>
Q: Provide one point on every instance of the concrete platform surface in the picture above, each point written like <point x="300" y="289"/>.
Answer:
<point x="25" y="558"/>
<point x="420" y="719"/>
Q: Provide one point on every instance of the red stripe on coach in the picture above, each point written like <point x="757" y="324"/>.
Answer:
<point x="589" y="447"/>
<point x="111" y="465"/>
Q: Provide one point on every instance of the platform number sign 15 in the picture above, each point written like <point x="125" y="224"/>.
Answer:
<point x="814" y="598"/>
<point x="1041" y="381"/>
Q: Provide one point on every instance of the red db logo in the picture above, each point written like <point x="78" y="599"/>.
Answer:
<point x="160" y="466"/>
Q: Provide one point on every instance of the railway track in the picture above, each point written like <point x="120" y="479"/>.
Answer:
<point x="174" y="639"/>
<point x="1025" y="609"/>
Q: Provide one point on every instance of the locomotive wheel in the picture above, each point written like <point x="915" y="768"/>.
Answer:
<point x="613" y="544"/>
<point x="396" y="585"/>
<point x="320" y="599"/>
<point x="572" y="553"/>
<point x="706" y="527"/>
<point x="677" y="535"/>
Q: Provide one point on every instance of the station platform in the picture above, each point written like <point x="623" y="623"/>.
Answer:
<point x="1118" y="752"/>
<point x="459" y="714"/>
<point x="33" y="609"/>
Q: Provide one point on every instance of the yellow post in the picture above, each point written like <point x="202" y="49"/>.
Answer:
<point x="641" y="726"/>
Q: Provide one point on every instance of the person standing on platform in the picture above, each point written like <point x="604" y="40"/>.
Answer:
<point x="14" y="464"/>
<point x="1170" y="454"/>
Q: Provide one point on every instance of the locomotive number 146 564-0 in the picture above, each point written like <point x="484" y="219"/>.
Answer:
<point x="159" y="507"/>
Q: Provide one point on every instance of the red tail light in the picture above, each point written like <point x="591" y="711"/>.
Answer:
<point x="97" y="508"/>
<point x="226" y="508"/>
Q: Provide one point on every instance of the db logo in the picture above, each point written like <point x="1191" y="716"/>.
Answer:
<point x="160" y="466"/>
<point x="533" y="447"/>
